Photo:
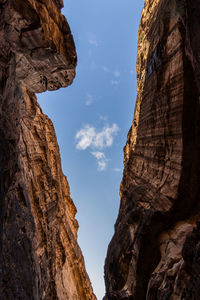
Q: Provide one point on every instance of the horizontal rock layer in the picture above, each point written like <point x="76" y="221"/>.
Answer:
<point x="155" y="251"/>
<point x="39" y="254"/>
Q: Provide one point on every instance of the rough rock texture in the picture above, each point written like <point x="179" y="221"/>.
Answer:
<point x="155" y="251"/>
<point x="39" y="254"/>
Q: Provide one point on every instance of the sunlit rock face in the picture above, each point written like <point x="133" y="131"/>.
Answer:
<point x="39" y="254"/>
<point x="155" y="251"/>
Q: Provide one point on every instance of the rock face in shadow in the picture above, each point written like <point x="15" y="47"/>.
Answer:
<point x="39" y="254"/>
<point x="155" y="251"/>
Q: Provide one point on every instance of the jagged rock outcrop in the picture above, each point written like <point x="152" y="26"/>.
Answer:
<point x="39" y="254"/>
<point x="155" y="251"/>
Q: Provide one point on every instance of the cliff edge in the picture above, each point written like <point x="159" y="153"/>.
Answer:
<point x="39" y="254"/>
<point x="155" y="251"/>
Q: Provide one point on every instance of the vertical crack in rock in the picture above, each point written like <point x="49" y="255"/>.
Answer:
<point x="155" y="251"/>
<point x="39" y="254"/>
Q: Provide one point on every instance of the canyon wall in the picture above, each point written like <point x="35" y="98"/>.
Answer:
<point x="39" y="254"/>
<point x="155" y="250"/>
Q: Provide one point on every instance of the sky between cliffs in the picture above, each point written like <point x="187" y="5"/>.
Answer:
<point x="92" y="118"/>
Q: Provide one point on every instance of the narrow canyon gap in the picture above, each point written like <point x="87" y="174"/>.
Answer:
<point x="155" y="251"/>
<point x="102" y="94"/>
<point x="39" y="254"/>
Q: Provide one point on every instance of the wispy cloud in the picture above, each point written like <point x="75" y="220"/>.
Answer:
<point x="85" y="137"/>
<point x="88" y="136"/>
<point x="106" y="69"/>
<point x="115" y="82"/>
<point x="117" y="170"/>
<point x="101" y="160"/>
<point x="92" y="40"/>
<point x="98" y="155"/>
<point x="103" y="118"/>
<point x="132" y="72"/>
<point x="89" y="99"/>
<point x="102" y="165"/>
<point x="116" y="73"/>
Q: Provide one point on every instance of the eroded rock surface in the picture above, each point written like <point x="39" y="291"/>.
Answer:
<point x="155" y="251"/>
<point x="39" y="254"/>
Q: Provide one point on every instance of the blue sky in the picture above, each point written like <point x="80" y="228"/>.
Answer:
<point x="92" y="118"/>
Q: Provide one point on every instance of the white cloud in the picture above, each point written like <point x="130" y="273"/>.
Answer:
<point x="85" y="137"/>
<point x="105" y="137"/>
<point x="90" y="137"/>
<point x="89" y="99"/>
<point x="116" y="74"/>
<point x="98" y="155"/>
<point x="132" y="72"/>
<point x="92" y="39"/>
<point x="102" y="165"/>
<point x="115" y="82"/>
<point x="101" y="160"/>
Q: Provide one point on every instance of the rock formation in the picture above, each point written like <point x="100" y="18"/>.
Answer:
<point x="155" y="251"/>
<point x="39" y="254"/>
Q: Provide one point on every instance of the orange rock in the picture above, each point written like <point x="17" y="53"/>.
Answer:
<point x="39" y="254"/>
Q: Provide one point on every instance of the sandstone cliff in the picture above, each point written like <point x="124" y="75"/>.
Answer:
<point x="155" y="251"/>
<point x="39" y="254"/>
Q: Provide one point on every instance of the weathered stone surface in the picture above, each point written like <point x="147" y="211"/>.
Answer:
<point x="39" y="254"/>
<point x="154" y="253"/>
